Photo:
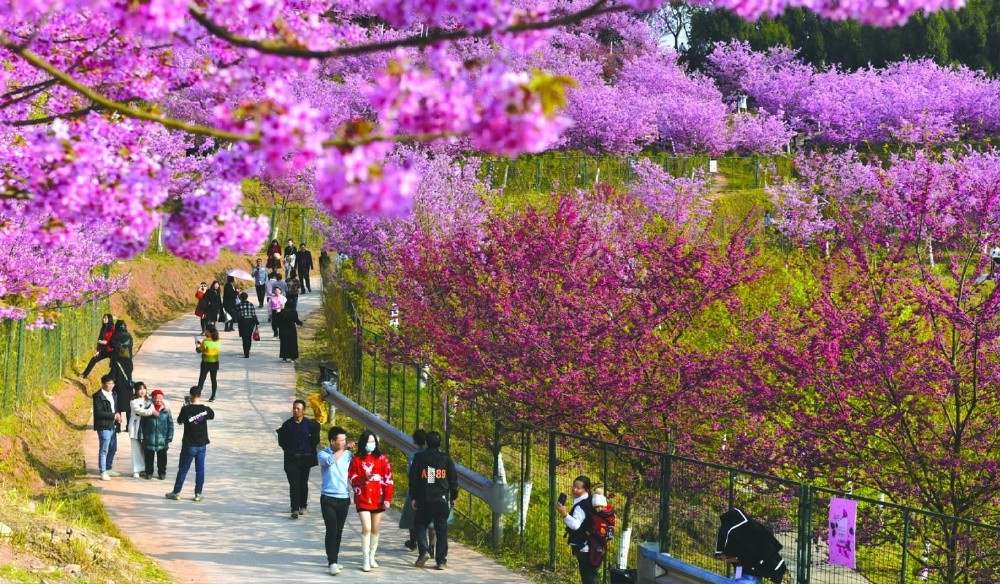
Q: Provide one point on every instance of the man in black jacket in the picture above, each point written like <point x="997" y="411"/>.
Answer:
<point x="304" y="264"/>
<point x="751" y="547"/>
<point x="434" y="487"/>
<point x="106" y="420"/>
<point x="298" y="437"/>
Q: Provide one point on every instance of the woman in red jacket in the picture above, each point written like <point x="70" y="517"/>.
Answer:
<point x="274" y="256"/>
<point x="103" y="349"/>
<point x="371" y="477"/>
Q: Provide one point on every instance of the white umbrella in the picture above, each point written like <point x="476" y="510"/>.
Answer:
<point x="238" y="273"/>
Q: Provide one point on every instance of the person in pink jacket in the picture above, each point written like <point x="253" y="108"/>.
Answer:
<point x="371" y="477"/>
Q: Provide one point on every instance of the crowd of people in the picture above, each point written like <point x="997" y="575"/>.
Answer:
<point x="124" y="404"/>
<point x="364" y="476"/>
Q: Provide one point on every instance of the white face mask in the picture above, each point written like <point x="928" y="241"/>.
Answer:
<point x="370" y="447"/>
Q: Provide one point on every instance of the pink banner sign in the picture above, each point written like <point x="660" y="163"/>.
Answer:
<point x="843" y="525"/>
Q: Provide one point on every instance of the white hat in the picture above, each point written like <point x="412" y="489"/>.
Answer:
<point x="599" y="500"/>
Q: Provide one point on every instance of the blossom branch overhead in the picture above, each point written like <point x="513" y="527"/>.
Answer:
<point x="105" y="104"/>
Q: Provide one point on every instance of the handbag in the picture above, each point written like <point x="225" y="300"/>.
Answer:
<point x="256" y="333"/>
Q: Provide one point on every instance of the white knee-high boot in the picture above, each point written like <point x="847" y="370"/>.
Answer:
<point x="371" y="554"/>
<point x="365" y="557"/>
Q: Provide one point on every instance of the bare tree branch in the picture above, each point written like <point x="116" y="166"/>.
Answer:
<point x="435" y="36"/>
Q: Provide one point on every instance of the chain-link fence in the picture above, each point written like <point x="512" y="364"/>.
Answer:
<point x="33" y="361"/>
<point x="658" y="496"/>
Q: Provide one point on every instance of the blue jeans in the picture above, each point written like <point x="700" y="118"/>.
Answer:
<point x="108" y="440"/>
<point x="189" y="453"/>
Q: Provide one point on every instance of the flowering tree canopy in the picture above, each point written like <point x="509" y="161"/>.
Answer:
<point x="910" y="102"/>
<point x="134" y="115"/>
<point x="879" y="366"/>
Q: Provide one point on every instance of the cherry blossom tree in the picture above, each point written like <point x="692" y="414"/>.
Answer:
<point x="152" y="114"/>
<point x="881" y="366"/>
<point x="590" y="310"/>
<point x="911" y="102"/>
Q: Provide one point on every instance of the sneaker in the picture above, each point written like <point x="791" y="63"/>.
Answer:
<point x="147" y="476"/>
<point x="172" y="495"/>
<point x="135" y="475"/>
<point x="410" y="544"/>
<point x="441" y="566"/>
<point x="422" y="560"/>
<point x="114" y="473"/>
<point x="334" y="569"/>
<point x="302" y="511"/>
<point x="161" y="476"/>
<point x="198" y="498"/>
<point x="105" y="476"/>
<point x="295" y="514"/>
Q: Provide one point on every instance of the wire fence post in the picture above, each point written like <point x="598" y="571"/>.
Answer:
<point x="906" y="546"/>
<point x="420" y="380"/>
<point x="552" y="500"/>
<point x="805" y="532"/>
<point x="666" y="468"/>
<point x="20" y="363"/>
<point x="374" y="376"/>
<point x="497" y="531"/>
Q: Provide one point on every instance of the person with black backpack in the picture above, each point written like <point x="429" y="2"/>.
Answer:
<point x="578" y="522"/>
<point x="751" y="547"/>
<point x="434" y="488"/>
<point x="121" y="344"/>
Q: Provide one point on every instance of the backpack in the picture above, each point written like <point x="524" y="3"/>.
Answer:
<point x="602" y="530"/>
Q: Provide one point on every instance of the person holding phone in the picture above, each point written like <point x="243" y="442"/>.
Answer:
<point x="209" y="349"/>
<point x="578" y="521"/>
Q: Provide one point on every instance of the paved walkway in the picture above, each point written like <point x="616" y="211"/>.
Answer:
<point x="242" y="532"/>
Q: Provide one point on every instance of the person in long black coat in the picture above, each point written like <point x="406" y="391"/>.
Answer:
<point x="213" y="303"/>
<point x="229" y="302"/>
<point x="121" y="344"/>
<point x="288" y="320"/>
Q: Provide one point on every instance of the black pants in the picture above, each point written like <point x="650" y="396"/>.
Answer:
<point x="95" y="360"/>
<point x="211" y="369"/>
<point x="588" y="571"/>
<point x="246" y="327"/>
<point x="304" y="278"/>
<point x="275" y="318"/>
<point x="260" y="295"/>
<point x="435" y="510"/>
<point x="161" y="461"/>
<point x="334" y="516"/>
<point x="297" y="469"/>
